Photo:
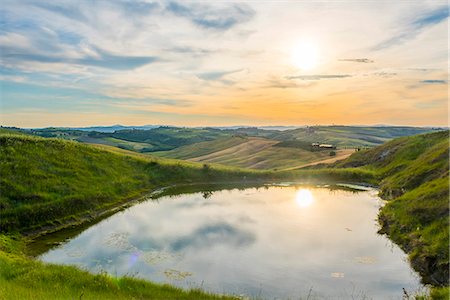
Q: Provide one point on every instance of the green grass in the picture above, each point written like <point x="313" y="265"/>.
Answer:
<point x="348" y="136"/>
<point x="246" y="152"/>
<point x="48" y="183"/>
<point x="202" y="148"/>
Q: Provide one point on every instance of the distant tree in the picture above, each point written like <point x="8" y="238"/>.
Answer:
<point x="206" y="168"/>
<point x="332" y="153"/>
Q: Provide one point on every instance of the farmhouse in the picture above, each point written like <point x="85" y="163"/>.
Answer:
<point x="318" y="146"/>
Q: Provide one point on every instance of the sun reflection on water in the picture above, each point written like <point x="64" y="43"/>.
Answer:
<point x="304" y="198"/>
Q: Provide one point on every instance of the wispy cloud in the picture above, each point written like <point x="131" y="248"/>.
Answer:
<point x="219" y="76"/>
<point x="415" y="27"/>
<point x="357" y="60"/>
<point x="212" y="17"/>
<point x="98" y="58"/>
<point x="175" y="56"/>
<point x="287" y="84"/>
<point x="318" y="77"/>
<point x="384" y="74"/>
<point x="434" y="81"/>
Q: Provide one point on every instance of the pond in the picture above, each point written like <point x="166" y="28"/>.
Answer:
<point x="270" y="242"/>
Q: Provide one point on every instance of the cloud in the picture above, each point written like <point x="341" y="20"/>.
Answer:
<point x="283" y="84"/>
<point x="96" y="58"/>
<point x="213" y="234"/>
<point x="433" y="81"/>
<point x="358" y="60"/>
<point x="68" y="11"/>
<point x="217" y="75"/>
<point x="196" y="51"/>
<point x="135" y="103"/>
<point x="414" y="28"/>
<point x="318" y="77"/>
<point x="73" y="11"/>
<point x="208" y="17"/>
<point x="384" y="74"/>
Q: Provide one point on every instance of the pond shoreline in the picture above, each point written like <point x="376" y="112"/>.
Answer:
<point x="244" y="215"/>
<point x="78" y="225"/>
<point x="86" y="220"/>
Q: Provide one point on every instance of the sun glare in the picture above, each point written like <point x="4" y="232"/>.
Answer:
<point x="305" y="56"/>
<point x="304" y="198"/>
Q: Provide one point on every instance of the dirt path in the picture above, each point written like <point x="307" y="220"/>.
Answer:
<point x="340" y="154"/>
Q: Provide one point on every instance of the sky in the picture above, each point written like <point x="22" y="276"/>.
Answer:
<point x="213" y="63"/>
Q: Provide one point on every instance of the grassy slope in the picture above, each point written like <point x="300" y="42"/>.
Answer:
<point x="48" y="168"/>
<point x="414" y="175"/>
<point x="110" y="141"/>
<point x="48" y="181"/>
<point x="349" y="136"/>
<point x="246" y="152"/>
<point x="168" y="138"/>
<point x="51" y="182"/>
<point x="202" y="148"/>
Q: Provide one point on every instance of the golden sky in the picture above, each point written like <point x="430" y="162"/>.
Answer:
<point x="81" y="63"/>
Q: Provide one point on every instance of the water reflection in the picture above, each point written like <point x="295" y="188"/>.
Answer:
<point x="255" y="242"/>
<point x="304" y="198"/>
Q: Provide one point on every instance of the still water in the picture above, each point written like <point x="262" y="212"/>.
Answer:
<point x="272" y="242"/>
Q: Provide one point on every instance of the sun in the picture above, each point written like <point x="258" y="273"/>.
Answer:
<point x="305" y="56"/>
<point x="304" y="198"/>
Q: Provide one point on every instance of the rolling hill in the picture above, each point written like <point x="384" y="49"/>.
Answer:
<point x="49" y="182"/>
<point x="349" y="136"/>
<point x="252" y="152"/>
<point x="52" y="183"/>
<point x="166" y="138"/>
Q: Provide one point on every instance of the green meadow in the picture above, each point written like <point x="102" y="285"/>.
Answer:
<point x="48" y="184"/>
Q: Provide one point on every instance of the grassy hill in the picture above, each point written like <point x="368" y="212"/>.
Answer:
<point x="46" y="182"/>
<point x="165" y="138"/>
<point x="203" y="148"/>
<point x="250" y="152"/>
<point x="49" y="183"/>
<point x="349" y="136"/>
<point x="413" y="175"/>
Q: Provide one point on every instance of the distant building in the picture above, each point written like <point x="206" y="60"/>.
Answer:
<point x="318" y="146"/>
<point x="327" y="146"/>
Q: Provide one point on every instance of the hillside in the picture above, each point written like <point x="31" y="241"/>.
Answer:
<point x="414" y="177"/>
<point x="167" y="138"/>
<point x="251" y="152"/>
<point x="349" y="136"/>
<point x="51" y="183"/>
<point x="46" y="182"/>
